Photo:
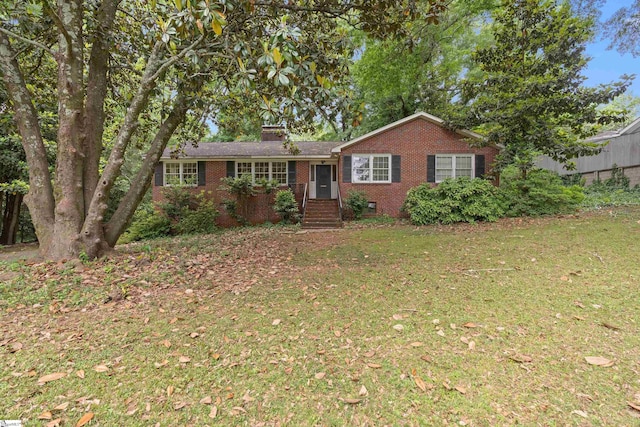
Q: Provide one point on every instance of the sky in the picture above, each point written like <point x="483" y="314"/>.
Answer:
<point x="608" y="65"/>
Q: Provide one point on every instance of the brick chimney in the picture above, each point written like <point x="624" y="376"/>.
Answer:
<point x="272" y="133"/>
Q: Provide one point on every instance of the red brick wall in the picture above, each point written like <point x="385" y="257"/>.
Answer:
<point x="260" y="208"/>
<point x="413" y="141"/>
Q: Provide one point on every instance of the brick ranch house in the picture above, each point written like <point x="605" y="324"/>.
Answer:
<point x="384" y="164"/>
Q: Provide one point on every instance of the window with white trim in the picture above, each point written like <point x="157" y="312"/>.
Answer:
<point x="453" y="166"/>
<point x="371" y="168"/>
<point x="181" y="173"/>
<point x="271" y="171"/>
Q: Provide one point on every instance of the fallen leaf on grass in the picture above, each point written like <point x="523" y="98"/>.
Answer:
<point x="320" y="375"/>
<point x="184" y="359"/>
<point x="45" y="416"/>
<point x="351" y="401"/>
<point x="470" y="325"/>
<point x="206" y="400"/>
<point x="634" y="406"/>
<point x="599" y="361"/>
<point x="440" y="332"/>
<point x="166" y="343"/>
<point x="179" y="405"/>
<point x="416" y="344"/>
<point x="472" y="345"/>
<point x="61" y="407"/>
<point x="101" y="368"/>
<point x="363" y="391"/>
<point x="214" y="412"/>
<point x="521" y="358"/>
<point x="170" y="390"/>
<point x="80" y="373"/>
<point x="54" y="423"/>
<point x="16" y="346"/>
<point x="85" y="419"/>
<point x="51" y="377"/>
<point x="276" y="322"/>
<point x="420" y="383"/>
<point x="374" y="365"/>
<point x="398" y="327"/>
<point x="160" y="364"/>
<point x="397" y="317"/>
<point x="580" y="413"/>
<point x="461" y="389"/>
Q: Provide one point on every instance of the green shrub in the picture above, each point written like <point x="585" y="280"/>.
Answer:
<point x="147" y="224"/>
<point x="286" y="206"/>
<point x="177" y="200"/>
<point x="453" y="200"/>
<point x="357" y="202"/>
<point x="617" y="180"/>
<point x="201" y="220"/>
<point x="540" y="193"/>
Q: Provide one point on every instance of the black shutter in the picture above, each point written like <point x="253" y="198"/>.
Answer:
<point x="159" y="175"/>
<point x="291" y="172"/>
<point x="479" y="165"/>
<point x="202" y="173"/>
<point x="395" y="168"/>
<point x="431" y="168"/>
<point x="231" y="169"/>
<point x="346" y="169"/>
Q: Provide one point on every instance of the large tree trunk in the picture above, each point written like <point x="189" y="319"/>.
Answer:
<point x="10" y="218"/>
<point x="69" y="211"/>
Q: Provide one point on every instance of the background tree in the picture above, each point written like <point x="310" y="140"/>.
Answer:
<point x="528" y="94"/>
<point x="395" y="78"/>
<point x="192" y="56"/>
<point x="13" y="166"/>
<point x="624" y="29"/>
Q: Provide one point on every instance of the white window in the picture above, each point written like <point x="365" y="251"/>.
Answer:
<point x="371" y="167"/>
<point x="181" y="173"/>
<point x="453" y="166"/>
<point x="271" y="171"/>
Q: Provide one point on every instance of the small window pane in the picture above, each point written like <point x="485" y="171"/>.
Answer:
<point x="261" y="170"/>
<point x="444" y="167"/>
<point x="244" y="168"/>
<point x="463" y="166"/>
<point x="361" y="170"/>
<point x="172" y="174"/>
<point x="189" y="173"/>
<point x="279" y="172"/>
<point x="380" y="169"/>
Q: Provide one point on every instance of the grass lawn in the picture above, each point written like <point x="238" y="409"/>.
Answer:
<point x="477" y="325"/>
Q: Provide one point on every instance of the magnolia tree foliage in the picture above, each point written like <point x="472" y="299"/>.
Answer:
<point x="528" y="95"/>
<point x="182" y="58"/>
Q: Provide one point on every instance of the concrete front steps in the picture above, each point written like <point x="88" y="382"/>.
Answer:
<point x="321" y="213"/>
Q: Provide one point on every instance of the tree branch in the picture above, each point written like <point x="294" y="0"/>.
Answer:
<point x="97" y="87"/>
<point x="26" y="40"/>
<point x="174" y="59"/>
<point x="127" y="206"/>
<point x="56" y="19"/>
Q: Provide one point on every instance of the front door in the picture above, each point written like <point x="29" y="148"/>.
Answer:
<point x="323" y="181"/>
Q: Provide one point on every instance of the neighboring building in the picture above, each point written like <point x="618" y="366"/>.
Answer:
<point x="384" y="164"/>
<point x="621" y="148"/>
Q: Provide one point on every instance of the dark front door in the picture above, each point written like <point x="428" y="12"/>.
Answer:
<point x="323" y="181"/>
